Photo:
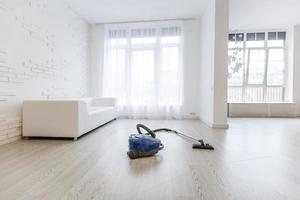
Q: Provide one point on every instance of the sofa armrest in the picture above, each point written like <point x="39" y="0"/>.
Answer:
<point x="50" y="118"/>
<point x="104" y="102"/>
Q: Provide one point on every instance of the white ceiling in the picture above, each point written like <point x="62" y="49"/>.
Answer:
<point x="262" y="14"/>
<point x="104" y="11"/>
<point x="247" y="13"/>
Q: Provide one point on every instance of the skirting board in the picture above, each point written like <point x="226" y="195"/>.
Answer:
<point x="220" y="126"/>
<point x="215" y="125"/>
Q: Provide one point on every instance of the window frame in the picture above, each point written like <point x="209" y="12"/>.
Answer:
<point x="246" y="58"/>
<point x="157" y="47"/>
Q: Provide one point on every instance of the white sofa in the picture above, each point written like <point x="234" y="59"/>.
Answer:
<point x="66" y="118"/>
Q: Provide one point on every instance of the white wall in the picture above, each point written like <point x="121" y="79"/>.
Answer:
<point x="191" y="65"/>
<point x="213" y="67"/>
<point x="272" y="15"/>
<point x="191" y="68"/>
<point x="44" y="54"/>
<point x="96" y="58"/>
<point x="297" y="65"/>
<point x="207" y="43"/>
<point x="221" y="63"/>
<point x="263" y="14"/>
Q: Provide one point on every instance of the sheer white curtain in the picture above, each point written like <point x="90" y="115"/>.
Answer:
<point x="143" y="69"/>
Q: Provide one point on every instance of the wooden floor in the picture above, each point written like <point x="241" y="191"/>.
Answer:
<point x="254" y="159"/>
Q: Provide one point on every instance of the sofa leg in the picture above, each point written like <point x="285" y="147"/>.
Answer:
<point x="75" y="139"/>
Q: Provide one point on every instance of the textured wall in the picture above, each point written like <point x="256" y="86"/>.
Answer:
<point x="44" y="54"/>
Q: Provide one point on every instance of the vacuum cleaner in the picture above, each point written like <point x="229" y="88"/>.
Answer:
<point x="146" y="144"/>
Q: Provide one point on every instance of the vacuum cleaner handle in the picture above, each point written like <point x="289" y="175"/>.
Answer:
<point x="149" y="131"/>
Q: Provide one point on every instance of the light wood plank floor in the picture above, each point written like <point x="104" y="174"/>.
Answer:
<point x="254" y="159"/>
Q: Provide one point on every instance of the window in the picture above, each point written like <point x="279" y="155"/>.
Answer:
<point x="257" y="67"/>
<point x="143" y="69"/>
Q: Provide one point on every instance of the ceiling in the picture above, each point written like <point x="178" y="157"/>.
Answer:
<point x="247" y="13"/>
<point x="107" y="11"/>
<point x="264" y="14"/>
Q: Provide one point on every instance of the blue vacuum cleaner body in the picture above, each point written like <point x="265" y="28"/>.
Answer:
<point x="142" y="145"/>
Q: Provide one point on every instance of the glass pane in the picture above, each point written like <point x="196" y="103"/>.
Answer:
<point x="143" y="32"/>
<point x="170" y="61"/>
<point x="142" y="77"/>
<point x="256" y="66"/>
<point x="274" y="94"/>
<point x="117" y="62"/>
<point x="281" y="35"/>
<point x="235" y="67"/>
<point x="254" y="94"/>
<point x="254" y="44"/>
<point x="170" y="40"/>
<point x="238" y="44"/>
<point x="119" y="33"/>
<point x="235" y="94"/>
<point x="171" y="31"/>
<point x="231" y="37"/>
<point x="118" y="41"/>
<point x="115" y="75"/>
<point x="276" y="67"/>
<point x="250" y="36"/>
<point x="272" y="36"/>
<point x="260" y="36"/>
<point x="240" y="37"/>
<point x="236" y="40"/>
<point x="169" y="79"/>
<point x="143" y="40"/>
<point x="276" y="43"/>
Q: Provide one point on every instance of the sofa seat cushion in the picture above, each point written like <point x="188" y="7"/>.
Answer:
<point x="97" y="109"/>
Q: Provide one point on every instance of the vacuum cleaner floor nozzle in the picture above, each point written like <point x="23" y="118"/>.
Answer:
<point x="203" y="146"/>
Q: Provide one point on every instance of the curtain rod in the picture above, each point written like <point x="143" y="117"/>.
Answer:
<point x="158" y="20"/>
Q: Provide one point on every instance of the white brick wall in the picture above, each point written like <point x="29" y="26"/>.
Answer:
<point x="10" y="129"/>
<point x="44" y="54"/>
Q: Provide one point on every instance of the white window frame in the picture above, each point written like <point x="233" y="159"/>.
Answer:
<point x="156" y="47"/>
<point x="247" y="50"/>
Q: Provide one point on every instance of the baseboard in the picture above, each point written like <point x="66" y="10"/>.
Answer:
<point x="214" y="125"/>
<point x="206" y="122"/>
<point x="187" y="117"/>
<point x="220" y="126"/>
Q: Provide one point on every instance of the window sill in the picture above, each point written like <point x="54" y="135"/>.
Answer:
<point x="261" y="102"/>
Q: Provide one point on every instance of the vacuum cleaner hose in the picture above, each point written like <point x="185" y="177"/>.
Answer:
<point x="149" y="131"/>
